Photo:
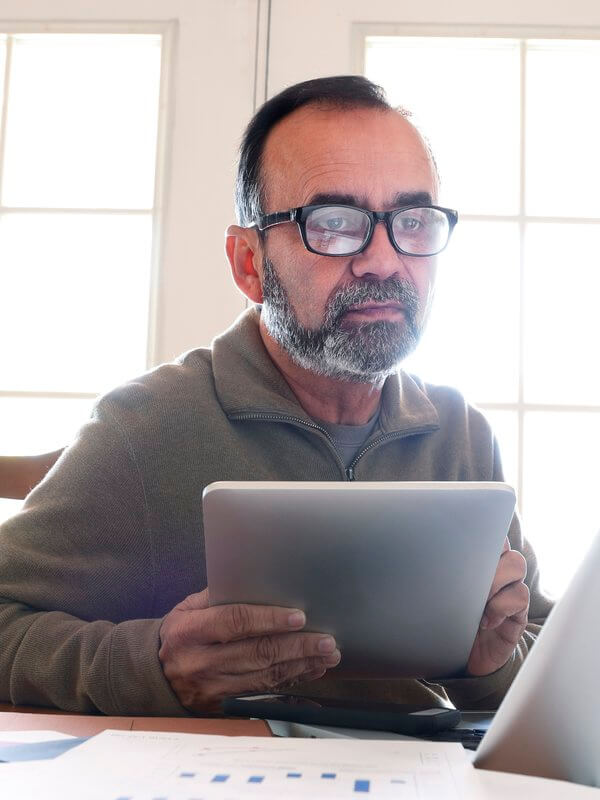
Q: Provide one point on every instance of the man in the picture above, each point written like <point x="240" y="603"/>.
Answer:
<point x="103" y="576"/>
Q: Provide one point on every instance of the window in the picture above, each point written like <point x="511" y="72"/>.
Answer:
<point x="79" y="202"/>
<point x="78" y="213"/>
<point x="515" y="324"/>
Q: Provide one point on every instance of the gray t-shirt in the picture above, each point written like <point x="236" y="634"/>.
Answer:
<point x="349" y="439"/>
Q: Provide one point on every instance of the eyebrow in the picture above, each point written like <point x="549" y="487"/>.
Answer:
<point x="400" y="199"/>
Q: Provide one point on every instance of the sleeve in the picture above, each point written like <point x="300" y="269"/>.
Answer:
<point x="487" y="692"/>
<point x="77" y="577"/>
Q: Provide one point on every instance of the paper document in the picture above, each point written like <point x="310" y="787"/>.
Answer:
<point x="138" y="765"/>
<point x="143" y="766"/>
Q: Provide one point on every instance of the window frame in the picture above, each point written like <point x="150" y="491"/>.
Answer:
<point x="167" y="31"/>
<point x="359" y="34"/>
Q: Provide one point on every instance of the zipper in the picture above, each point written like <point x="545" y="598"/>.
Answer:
<point x="303" y="423"/>
<point x="347" y="471"/>
<point x="385" y="437"/>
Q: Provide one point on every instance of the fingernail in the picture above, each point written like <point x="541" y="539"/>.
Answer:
<point x="297" y="619"/>
<point x="333" y="659"/>
<point x="326" y="644"/>
<point x="484" y="622"/>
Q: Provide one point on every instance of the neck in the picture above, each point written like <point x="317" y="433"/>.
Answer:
<point x="324" y="398"/>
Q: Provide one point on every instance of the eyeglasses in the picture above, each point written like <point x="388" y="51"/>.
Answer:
<point x="339" y="230"/>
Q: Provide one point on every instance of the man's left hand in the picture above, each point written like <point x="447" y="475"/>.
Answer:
<point x="504" y="616"/>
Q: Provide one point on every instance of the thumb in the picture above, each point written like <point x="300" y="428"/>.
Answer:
<point x="194" y="602"/>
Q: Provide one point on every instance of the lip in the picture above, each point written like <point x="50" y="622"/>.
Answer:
<point x="372" y="308"/>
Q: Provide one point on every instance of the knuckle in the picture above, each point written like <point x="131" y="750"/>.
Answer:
<point x="313" y="664"/>
<point x="270" y="618"/>
<point x="270" y="678"/>
<point x="299" y="646"/>
<point x="174" y="632"/>
<point x="238" y="618"/>
<point x="265" y="651"/>
<point x="278" y="674"/>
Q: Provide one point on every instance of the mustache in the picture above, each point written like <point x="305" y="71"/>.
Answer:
<point x="394" y="289"/>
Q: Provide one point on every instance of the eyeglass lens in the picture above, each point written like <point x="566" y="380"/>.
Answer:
<point x="340" y="230"/>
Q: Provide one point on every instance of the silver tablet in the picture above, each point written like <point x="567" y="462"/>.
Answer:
<point x="549" y="722"/>
<point x="399" y="573"/>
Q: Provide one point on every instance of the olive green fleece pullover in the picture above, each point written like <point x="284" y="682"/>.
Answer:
<point x="112" y="539"/>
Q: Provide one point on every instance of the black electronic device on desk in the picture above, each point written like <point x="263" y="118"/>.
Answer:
<point x="345" y="713"/>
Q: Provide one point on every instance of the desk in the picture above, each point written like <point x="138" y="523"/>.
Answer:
<point x="23" y="718"/>
<point x="473" y="784"/>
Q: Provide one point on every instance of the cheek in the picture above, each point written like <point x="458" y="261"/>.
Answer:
<point x="309" y="293"/>
<point x="303" y="278"/>
<point x="423" y="277"/>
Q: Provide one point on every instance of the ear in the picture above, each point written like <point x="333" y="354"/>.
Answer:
<point x="244" y="251"/>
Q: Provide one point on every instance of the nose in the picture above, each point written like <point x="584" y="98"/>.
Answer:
<point x="379" y="259"/>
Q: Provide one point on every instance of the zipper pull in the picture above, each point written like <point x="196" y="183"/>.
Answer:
<point x="350" y="473"/>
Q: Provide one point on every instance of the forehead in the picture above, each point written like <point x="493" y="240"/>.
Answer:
<point x="370" y="155"/>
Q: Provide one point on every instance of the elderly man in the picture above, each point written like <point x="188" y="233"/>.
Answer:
<point x="102" y="576"/>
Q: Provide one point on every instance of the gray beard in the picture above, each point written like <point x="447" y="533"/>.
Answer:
<point x="362" y="353"/>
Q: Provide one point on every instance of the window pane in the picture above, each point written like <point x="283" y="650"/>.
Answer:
<point x="562" y="324"/>
<point x="74" y="293"/>
<point x="471" y="340"/>
<point x="505" y="425"/>
<point x="8" y="508"/>
<point x="563" y="128"/>
<point x="82" y="121"/>
<point x="31" y="425"/>
<point x="464" y="94"/>
<point x="562" y="475"/>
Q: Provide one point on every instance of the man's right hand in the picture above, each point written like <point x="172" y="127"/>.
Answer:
<point x="212" y="652"/>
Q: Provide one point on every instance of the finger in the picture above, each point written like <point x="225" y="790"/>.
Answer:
<point x="229" y="623"/>
<point x="510" y="602"/>
<point x="506" y="545"/>
<point x="194" y="602"/>
<point x="512" y="568"/>
<point x="278" y="676"/>
<point x="263" y="652"/>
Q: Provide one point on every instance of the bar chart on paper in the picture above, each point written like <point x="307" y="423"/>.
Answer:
<point x="272" y="784"/>
<point x="166" y="766"/>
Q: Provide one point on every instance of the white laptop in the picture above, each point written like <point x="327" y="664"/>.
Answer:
<point x="549" y="722"/>
<point x="398" y="572"/>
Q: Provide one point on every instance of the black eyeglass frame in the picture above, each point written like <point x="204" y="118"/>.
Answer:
<point x="299" y="216"/>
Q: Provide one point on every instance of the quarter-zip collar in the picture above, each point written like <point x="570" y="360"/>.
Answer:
<point x="248" y="382"/>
